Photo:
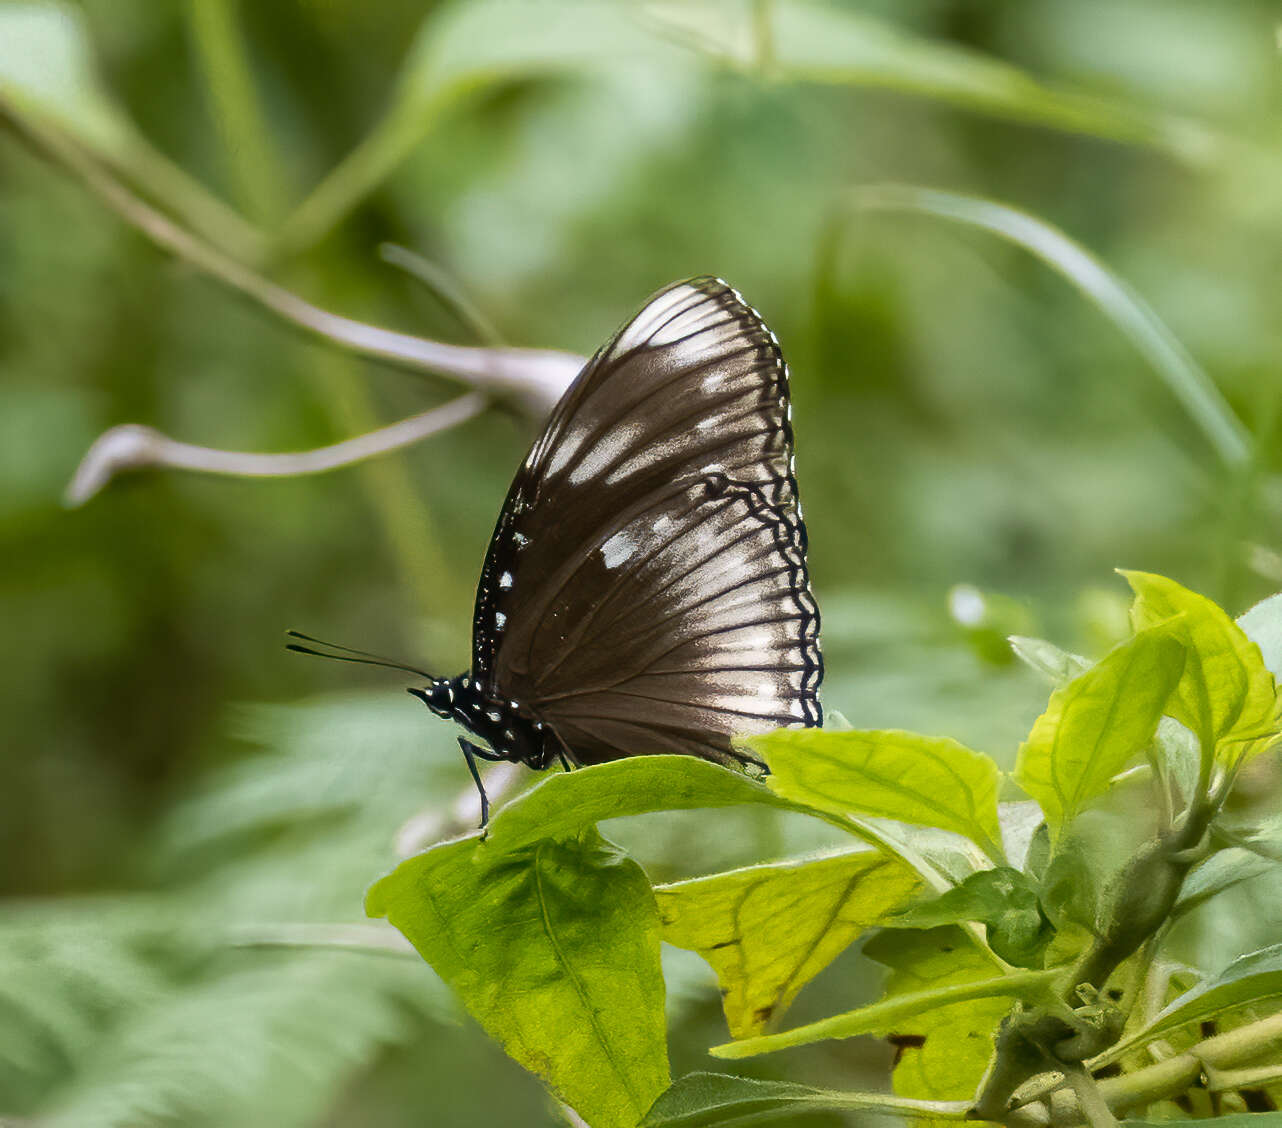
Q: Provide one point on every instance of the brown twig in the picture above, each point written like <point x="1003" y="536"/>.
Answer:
<point x="134" y="447"/>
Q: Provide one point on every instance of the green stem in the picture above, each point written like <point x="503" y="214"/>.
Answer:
<point x="234" y="105"/>
<point x="1094" y="1108"/>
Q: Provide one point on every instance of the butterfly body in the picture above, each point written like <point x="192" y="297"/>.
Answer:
<point x="646" y="589"/>
<point x="508" y="730"/>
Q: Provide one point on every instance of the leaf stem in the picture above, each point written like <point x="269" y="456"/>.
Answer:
<point x="1114" y="298"/>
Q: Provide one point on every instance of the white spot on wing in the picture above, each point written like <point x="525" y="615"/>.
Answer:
<point x="613" y="446"/>
<point x="500" y="620"/>
<point x="617" y="549"/>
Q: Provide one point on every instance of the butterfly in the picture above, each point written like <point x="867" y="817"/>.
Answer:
<point x="646" y="587"/>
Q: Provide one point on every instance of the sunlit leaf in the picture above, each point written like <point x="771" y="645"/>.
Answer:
<point x="768" y="930"/>
<point x="554" y="949"/>
<point x="933" y="781"/>
<point x="1097" y="722"/>
<point x="709" y="1100"/>
<point x="1227" y="697"/>
<point x="1248" y="979"/>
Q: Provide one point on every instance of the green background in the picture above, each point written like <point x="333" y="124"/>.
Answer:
<point x="177" y="793"/>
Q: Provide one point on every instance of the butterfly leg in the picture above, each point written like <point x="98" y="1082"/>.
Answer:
<point x="471" y="753"/>
<point x="561" y="749"/>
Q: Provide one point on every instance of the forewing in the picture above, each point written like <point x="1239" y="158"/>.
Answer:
<point x="646" y="587"/>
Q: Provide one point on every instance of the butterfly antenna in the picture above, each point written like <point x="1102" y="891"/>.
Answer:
<point x="350" y="654"/>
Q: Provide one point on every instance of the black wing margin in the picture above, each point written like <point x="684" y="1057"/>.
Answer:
<point x="646" y="588"/>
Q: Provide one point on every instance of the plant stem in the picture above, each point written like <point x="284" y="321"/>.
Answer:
<point x="1094" y="1108"/>
<point x="535" y="378"/>
<point x="235" y="108"/>
<point x="1169" y="1078"/>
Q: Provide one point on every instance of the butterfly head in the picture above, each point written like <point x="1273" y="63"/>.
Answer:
<point x="440" y="696"/>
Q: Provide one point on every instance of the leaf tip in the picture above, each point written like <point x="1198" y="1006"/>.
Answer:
<point x="377" y="898"/>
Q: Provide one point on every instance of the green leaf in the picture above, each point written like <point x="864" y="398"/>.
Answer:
<point x="1248" y="979"/>
<point x="1222" y="870"/>
<point x="939" y="972"/>
<point x="553" y="947"/>
<point x="1096" y="723"/>
<point x="932" y="781"/>
<point x="1059" y="667"/>
<point x="710" y="1100"/>
<point x="564" y="803"/>
<point x="1001" y="899"/>
<point x="1227" y="697"/>
<point x="768" y="930"/>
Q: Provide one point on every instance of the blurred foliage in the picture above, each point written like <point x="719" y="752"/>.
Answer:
<point x="963" y="417"/>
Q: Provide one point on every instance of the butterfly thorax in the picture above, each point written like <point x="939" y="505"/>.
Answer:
<point x="510" y="731"/>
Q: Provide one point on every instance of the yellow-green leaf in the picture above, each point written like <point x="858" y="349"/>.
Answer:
<point x="930" y="781"/>
<point x="1097" y="722"/>
<point x="768" y="930"/>
<point x="1226" y="696"/>
<point x="941" y="985"/>
<point x="957" y="1040"/>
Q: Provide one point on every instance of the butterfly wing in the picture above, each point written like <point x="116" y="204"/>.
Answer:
<point x="646" y="586"/>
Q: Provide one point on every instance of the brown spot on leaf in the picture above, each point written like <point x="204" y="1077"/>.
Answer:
<point x="903" y="1042"/>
